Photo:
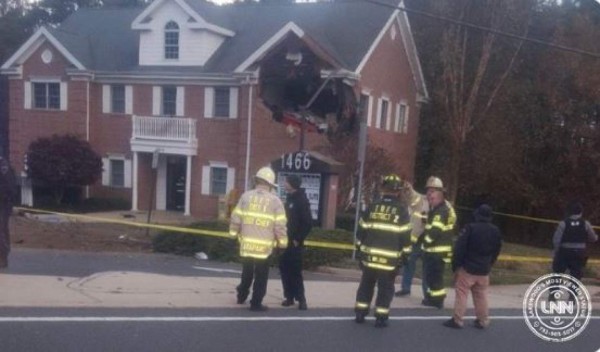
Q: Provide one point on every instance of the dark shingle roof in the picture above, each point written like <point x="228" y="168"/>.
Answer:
<point x="102" y="39"/>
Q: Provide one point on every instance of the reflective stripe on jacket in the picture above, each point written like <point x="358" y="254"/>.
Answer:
<point x="384" y="234"/>
<point x="439" y="230"/>
<point x="259" y="223"/>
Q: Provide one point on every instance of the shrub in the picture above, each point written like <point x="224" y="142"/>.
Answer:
<point x="314" y="256"/>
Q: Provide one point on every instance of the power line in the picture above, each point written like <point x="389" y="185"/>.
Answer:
<point x="487" y="29"/>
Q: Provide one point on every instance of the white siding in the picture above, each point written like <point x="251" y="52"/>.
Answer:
<point x="195" y="46"/>
<point x="156" y="100"/>
<point x="128" y="99"/>
<point x="27" y="98"/>
<point x="106" y="103"/>
<point x="209" y="102"/>
<point x="180" y="101"/>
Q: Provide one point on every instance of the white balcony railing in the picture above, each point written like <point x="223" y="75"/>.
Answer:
<point x="164" y="128"/>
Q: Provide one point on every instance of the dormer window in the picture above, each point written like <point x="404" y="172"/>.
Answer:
<point x="171" y="40"/>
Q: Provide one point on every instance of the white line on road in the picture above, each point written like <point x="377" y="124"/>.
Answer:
<point x="217" y="270"/>
<point x="219" y="319"/>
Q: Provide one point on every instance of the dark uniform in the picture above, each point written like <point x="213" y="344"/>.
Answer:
<point x="299" y="223"/>
<point x="383" y="238"/>
<point x="437" y="250"/>
<point x="570" y="241"/>
<point x="7" y="186"/>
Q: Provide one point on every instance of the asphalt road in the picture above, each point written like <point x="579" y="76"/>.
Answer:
<point x="236" y="329"/>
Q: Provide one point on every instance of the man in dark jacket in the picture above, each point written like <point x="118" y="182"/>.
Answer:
<point x="7" y="186"/>
<point x="299" y="223"/>
<point x="475" y="251"/>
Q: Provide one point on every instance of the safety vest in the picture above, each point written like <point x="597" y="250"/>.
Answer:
<point x="384" y="234"/>
<point x="439" y="230"/>
<point x="259" y="223"/>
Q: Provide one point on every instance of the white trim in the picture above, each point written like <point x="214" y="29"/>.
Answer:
<point x="381" y="34"/>
<point x="209" y="102"/>
<point x="134" y="192"/>
<point x="127" y="171"/>
<point x="271" y="42"/>
<point x="64" y="96"/>
<point x="201" y="23"/>
<point x="188" y="186"/>
<point x="23" y="50"/>
<point x="156" y="100"/>
<point x="129" y="100"/>
<point x="161" y="183"/>
<point x="230" y="179"/>
<point x="378" y="116"/>
<point x="180" y="101"/>
<point x="233" y="102"/>
<point x="388" y="118"/>
<point x="410" y="47"/>
<point x="406" y="114"/>
<point x="106" y="98"/>
<point x="205" y="190"/>
<point x="28" y="98"/>
<point x="397" y="125"/>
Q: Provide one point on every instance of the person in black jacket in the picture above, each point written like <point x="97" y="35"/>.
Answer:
<point x="299" y="223"/>
<point x="475" y="251"/>
<point x="7" y="185"/>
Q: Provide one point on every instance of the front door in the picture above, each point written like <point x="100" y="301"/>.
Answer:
<point x="176" y="166"/>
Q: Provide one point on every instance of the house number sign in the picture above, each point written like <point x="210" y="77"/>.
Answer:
<point x="299" y="161"/>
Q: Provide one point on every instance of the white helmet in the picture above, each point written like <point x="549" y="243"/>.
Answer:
<point x="435" y="182"/>
<point x="266" y="174"/>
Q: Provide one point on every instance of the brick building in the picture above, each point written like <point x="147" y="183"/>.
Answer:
<point x="212" y="93"/>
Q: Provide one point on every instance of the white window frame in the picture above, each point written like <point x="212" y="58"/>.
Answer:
<point x="107" y="171"/>
<point x="168" y="46"/>
<point x="207" y="177"/>
<point x="209" y="103"/>
<point x="380" y="114"/>
<point x="369" y="107"/>
<point x="107" y="99"/>
<point x="29" y="93"/>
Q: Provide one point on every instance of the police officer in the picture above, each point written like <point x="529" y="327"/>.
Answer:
<point x="437" y="242"/>
<point x="7" y="186"/>
<point x="570" y="240"/>
<point x="382" y="239"/>
<point x="259" y="223"/>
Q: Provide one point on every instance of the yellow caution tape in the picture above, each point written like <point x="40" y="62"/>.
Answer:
<point x="223" y="234"/>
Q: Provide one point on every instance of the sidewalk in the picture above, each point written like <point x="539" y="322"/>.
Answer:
<point x="136" y="289"/>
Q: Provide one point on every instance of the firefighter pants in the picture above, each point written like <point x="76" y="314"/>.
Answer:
<point x="385" y="291"/>
<point x="256" y="270"/>
<point x="290" y="266"/>
<point x="434" y="275"/>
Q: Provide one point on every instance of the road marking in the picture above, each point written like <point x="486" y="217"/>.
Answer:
<point x="224" y="319"/>
<point x="233" y="271"/>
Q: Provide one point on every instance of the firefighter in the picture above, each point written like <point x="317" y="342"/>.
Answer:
<point x="382" y="239"/>
<point x="259" y="223"/>
<point x="437" y="242"/>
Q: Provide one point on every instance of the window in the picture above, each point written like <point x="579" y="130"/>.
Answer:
<point x="384" y="114"/>
<point x="221" y="102"/>
<point x="117" y="173"/>
<point x="403" y="126"/>
<point x="171" y="40"/>
<point x="117" y="98"/>
<point x="46" y="95"/>
<point x="169" y="101"/>
<point x="218" y="180"/>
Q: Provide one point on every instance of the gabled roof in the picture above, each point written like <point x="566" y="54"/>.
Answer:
<point x="102" y="40"/>
<point x="196" y="20"/>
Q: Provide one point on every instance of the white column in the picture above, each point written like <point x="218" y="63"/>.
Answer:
<point x="134" y="197"/>
<point x="188" y="186"/>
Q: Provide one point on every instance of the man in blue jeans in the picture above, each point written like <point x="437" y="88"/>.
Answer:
<point x="418" y="208"/>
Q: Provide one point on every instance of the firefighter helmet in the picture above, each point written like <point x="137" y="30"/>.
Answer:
<point x="267" y="175"/>
<point x="392" y="182"/>
<point x="435" y="182"/>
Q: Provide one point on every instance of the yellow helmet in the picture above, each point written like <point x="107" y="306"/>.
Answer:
<point x="435" y="182"/>
<point x="266" y="174"/>
<point x="392" y="182"/>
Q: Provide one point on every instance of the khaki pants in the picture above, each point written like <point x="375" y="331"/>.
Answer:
<point x="477" y="284"/>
